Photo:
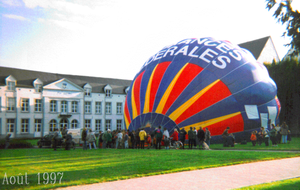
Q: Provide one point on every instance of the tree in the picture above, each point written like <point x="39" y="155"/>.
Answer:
<point x="286" y="14"/>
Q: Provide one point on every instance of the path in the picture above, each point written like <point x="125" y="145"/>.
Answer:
<point x="228" y="177"/>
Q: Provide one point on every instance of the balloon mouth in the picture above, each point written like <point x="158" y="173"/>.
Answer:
<point x="150" y="121"/>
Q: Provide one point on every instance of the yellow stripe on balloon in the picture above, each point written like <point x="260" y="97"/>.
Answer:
<point x="206" y="123"/>
<point x="167" y="93"/>
<point x="148" y="92"/>
<point x="133" y="104"/>
<point x="190" y="102"/>
<point x="126" y="122"/>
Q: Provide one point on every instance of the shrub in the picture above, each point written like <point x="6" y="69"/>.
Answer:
<point x="16" y="143"/>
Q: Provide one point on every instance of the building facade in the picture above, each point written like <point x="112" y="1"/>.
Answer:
<point x="34" y="103"/>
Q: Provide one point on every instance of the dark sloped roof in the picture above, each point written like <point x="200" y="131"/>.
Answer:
<point x="255" y="46"/>
<point x="25" y="79"/>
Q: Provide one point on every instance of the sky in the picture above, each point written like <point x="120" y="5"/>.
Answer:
<point x="113" y="38"/>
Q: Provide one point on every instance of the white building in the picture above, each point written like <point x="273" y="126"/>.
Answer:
<point x="33" y="103"/>
<point x="263" y="49"/>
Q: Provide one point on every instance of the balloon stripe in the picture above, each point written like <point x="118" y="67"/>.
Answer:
<point x="159" y="73"/>
<point x="216" y="93"/>
<point x="189" y="73"/>
<point x="127" y="116"/>
<point x="218" y="125"/>
<point x="166" y="95"/>
<point x="191" y="101"/>
<point x="137" y="91"/>
<point x="148" y="92"/>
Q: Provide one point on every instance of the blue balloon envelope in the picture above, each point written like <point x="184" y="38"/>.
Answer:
<point x="202" y="82"/>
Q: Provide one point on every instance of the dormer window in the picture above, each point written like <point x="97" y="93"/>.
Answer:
<point x="38" y="85"/>
<point x="108" y="93"/>
<point x="64" y="85"/>
<point x="87" y="91"/>
<point x="38" y="88"/>
<point x="11" y="85"/>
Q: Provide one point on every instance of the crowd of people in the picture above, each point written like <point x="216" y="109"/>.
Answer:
<point x="277" y="134"/>
<point x="140" y="139"/>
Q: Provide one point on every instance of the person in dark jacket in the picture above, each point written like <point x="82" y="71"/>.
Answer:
<point x="182" y="135"/>
<point x="132" y="139"/>
<point x="7" y="139"/>
<point x="83" y="138"/>
<point x="192" y="137"/>
<point x="158" y="136"/>
<point x="201" y="137"/>
<point x="68" y="141"/>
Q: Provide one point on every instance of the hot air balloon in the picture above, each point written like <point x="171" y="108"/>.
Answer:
<point x="202" y="82"/>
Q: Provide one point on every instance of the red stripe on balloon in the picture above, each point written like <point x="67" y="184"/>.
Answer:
<point x="127" y="115"/>
<point x="187" y="75"/>
<point x="137" y="90"/>
<point x="235" y="123"/>
<point x="159" y="73"/>
<point x="216" y="93"/>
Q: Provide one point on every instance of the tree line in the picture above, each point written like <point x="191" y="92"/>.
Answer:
<point x="286" y="75"/>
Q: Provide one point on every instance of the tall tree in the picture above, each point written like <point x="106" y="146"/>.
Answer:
<point x="285" y="14"/>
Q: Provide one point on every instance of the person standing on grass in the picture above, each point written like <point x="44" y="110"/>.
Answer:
<point x="278" y="136"/>
<point x="142" y="135"/>
<point x="265" y="135"/>
<point x="182" y="135"/>
<point x="84" y="138"/>
<point x="192" y="135"/>
<point x="166" y="137"/>
<point x="126" y="140"/>
<point x="132" y="138"/>
<point x="108" y="138"/>
<point x="284" y="132"/>
<point x="225" y="136"/>
<point x="201" y="137"/>
<point x="91" y="139"/>
<point x="100" y="139"/>
<point x="119" y="139"/>
<point x="273" y="134"/>
<point x="207" y="136"/>
<point x="253" y="138"/>
<point x="158" y="136"/>
<point x="55" y="138"/>
<point x="7" y="139"/>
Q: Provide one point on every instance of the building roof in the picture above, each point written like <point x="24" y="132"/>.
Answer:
<point x="25" y="79"/>
<point x="255" y="46"/>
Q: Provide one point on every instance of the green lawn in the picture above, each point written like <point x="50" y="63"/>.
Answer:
<point x="290" y="184"/>
<point x="83" y="167"/>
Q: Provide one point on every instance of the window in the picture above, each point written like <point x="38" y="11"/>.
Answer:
<point x="64" y="85"/>
<point x="24" y="125"/>
<point x="37" y="105"/>
<point x="11" y="85"/>
<point x="74" y="107"/>
<point x="64" y="106"/>
<point x="63" y="123"/>
<point x="10" y="125"/>
<point x="98" y="124"/>
<point x="25" y="104"/>
<point x="38" y="88"/>
<point x="74" y="124"/>
<point x="11" y="104"/>
<point x="52" y="125"/>
<point x="108" y="108"/>
<point x="87" y="123"/>
<point x="108" y="93"/>
<point x="119" y="124"/>
<point x="107" y="124"/>
<point x="119" y="108"/>
<point x="87" y="91"/>
<point x="37" y="125"/>
<point x="98" y="107"/>
<point x="87" y="107"/>
<point x="53" y="106"/>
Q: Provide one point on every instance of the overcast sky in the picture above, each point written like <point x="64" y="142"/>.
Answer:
<point x="113" y="38"/>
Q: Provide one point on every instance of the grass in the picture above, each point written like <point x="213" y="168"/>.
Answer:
<point x="92" y="166"/>
<point x="75" y="167"/>
<point x="290" y="184"/>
